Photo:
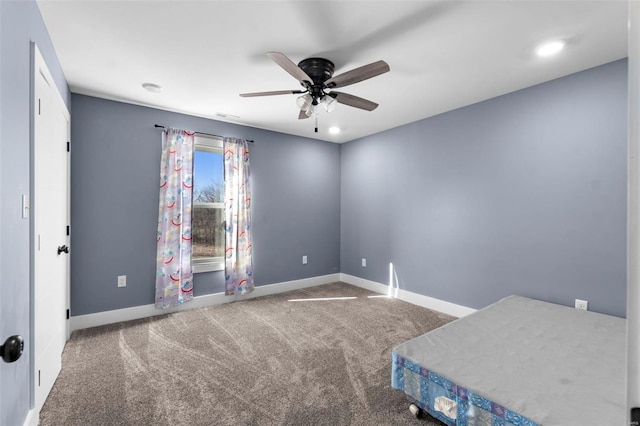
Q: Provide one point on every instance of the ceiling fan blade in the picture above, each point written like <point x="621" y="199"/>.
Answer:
<point x="354" y="101"/>
<point x="302" y="115"/>
<point x="275" y="92"/>
<point x="358" y="74"/>
<point x="289" y="66"/>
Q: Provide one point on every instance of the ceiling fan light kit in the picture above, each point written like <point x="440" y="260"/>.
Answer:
<point x="304" y="101"/>
<point x="328" y="103"/>
<point x="316" y="76"/>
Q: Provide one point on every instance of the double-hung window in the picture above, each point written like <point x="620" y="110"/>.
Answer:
<point x="207" y="216"/>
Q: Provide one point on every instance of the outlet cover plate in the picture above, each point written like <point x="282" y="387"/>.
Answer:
<point x="122" y="280"/>
<point x="582" y="304"/>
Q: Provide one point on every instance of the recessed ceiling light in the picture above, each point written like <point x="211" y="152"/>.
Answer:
<point x="154" y="88"/>
<point x="334" y="130"/>
<point x="550" y="48"/>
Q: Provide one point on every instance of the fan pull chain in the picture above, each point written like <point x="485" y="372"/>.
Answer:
<point x="315" y="115"/>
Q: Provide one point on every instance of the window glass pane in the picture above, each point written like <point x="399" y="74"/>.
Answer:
<point x="208" y="179"/>
<point x="208" y="232"/>
<point x="207" y="223"/>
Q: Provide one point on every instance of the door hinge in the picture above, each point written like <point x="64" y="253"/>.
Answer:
<point x="68" y="230"/>
<point x="38" y="106"/>
<point x="68" y="313"/>
<point x="68" y="147"/>
<point x="38" y="377"/>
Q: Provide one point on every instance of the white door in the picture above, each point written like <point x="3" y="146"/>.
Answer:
<point x="50" y="209"/>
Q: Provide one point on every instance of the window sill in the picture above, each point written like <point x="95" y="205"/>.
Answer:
<point x="212" y="266"/>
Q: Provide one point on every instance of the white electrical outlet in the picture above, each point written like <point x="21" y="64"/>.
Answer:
<point x="304" y="260"/>
<point x="122" y="280"/>
<point x="364" y="262"/>
<point x="582" y="304"/>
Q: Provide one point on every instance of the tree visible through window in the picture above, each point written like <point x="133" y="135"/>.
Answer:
<point x="207" y="219"/>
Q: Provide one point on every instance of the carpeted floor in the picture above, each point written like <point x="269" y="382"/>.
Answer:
<point x="263" y="361"/>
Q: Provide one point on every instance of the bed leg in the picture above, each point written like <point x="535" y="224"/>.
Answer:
<point x="415" y="410"/>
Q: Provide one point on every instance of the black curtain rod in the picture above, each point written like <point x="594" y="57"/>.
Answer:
<point x="201" y="133"/>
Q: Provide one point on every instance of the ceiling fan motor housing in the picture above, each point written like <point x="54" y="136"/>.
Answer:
<point x="320" y="70"/>
<point x="315" y="75"/>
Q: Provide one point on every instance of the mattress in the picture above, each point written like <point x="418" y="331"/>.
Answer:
<point x="518" y="361"/>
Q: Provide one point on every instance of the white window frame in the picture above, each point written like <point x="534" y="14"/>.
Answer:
<point x="208" y="264"/>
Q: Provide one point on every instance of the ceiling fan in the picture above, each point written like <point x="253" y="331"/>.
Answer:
<point x="316" y="77"/>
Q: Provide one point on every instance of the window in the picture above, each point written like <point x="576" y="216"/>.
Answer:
<point x="207" y="216"/>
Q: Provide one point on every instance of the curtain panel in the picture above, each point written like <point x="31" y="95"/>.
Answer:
<point x="174" y="274"/>
<point x="237" y="194"/>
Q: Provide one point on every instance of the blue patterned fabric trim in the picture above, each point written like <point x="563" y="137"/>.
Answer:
<point x="463" y="393"/>
<point x="412" y="366"/>
<point x="424" y="387"/>
<point x="446" y="384"/>
<point x="479" y="401"/>
<point x="515" y="419"/>
<point x="397" y="372"/>
<point x="497" y="410"/>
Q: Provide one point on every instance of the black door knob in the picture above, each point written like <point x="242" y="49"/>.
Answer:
<point x="63" y="249"/>
<point x="12" y="348"/>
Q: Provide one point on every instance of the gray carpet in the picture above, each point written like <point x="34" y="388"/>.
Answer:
<point x="263" y="361"/>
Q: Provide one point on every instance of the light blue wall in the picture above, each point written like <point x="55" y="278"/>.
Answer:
<point x="522" y="194"/>
<point x="525" y="193"/>
<point x="115" y="160"/>
<point x="20" y="24"/>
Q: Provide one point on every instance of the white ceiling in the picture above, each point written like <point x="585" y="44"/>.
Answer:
<point x="443" y="54"/>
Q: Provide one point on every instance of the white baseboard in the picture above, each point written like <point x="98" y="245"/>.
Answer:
<point x="366" y="284"/>
<point x="33" y="418"/>
<point x="109" y="317"/>
<point x="414" y="298"/>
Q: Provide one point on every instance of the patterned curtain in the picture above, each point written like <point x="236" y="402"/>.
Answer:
<point x="237" y="202"/>
<point x="174" y="276"/>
